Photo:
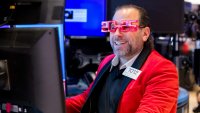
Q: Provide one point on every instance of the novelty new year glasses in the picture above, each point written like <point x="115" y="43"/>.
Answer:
<point x="124" y="26"/>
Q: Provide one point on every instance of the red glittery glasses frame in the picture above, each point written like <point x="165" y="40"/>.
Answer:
<point x="124" y="26"/>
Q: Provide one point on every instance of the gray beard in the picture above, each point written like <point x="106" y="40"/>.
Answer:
<point x="124" y="53"/>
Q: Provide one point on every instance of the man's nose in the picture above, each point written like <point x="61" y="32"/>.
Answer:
<point x="118" y="32"/>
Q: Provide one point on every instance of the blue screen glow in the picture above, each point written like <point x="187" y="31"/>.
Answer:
<point x="84" y="17"/>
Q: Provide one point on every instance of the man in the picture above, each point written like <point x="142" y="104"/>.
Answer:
<point x="136" y="78"/>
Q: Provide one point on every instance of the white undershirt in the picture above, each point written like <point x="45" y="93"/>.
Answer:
<point x="115" y="62"/>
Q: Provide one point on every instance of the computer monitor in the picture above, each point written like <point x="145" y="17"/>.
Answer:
<point x="31" y="70"/>
<point x="84" y="17"/>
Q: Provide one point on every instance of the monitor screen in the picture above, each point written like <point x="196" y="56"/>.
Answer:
<point x="84" y="17"/>
<point x="31" y="70"/>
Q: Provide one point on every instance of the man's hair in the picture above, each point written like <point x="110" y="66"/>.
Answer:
<point x="144" y="19"/>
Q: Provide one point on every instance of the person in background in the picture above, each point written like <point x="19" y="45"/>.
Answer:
<point x="136" y="78"/>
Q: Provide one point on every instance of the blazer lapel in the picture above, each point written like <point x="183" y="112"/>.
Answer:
<point x="100" y="76"/>
<point x="98" y="81"/>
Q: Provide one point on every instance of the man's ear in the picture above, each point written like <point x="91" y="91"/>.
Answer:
<point x="146" y="33"/>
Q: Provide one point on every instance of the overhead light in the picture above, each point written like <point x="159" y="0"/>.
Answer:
<point x="193" y="1"/>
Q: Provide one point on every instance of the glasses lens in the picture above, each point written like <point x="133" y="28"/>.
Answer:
<point x="124" y="27"/>
<point x="104" y="26"/>
<point x="113" y="26"/>
<point x="134" y="28"/>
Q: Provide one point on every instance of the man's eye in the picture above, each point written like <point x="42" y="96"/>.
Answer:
<point x="112" y="26"/>
<point x="134" y="27"/>
<point x="125" y="28"/>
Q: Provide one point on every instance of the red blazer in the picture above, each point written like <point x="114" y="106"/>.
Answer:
<point x="154" y="91"/>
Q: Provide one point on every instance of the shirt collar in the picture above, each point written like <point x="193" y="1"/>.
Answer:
<point x="115" y="62"/>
